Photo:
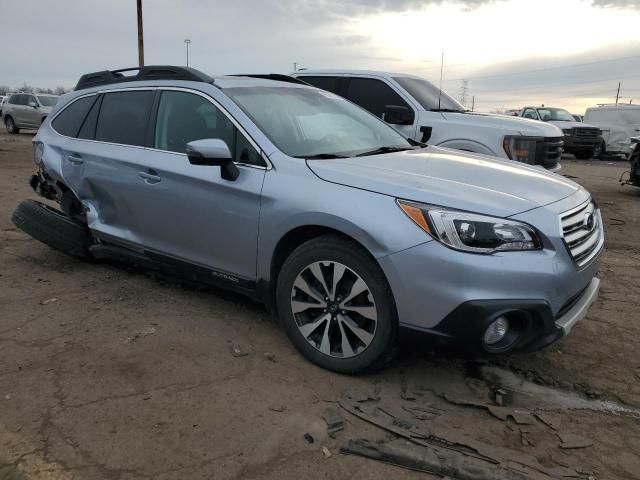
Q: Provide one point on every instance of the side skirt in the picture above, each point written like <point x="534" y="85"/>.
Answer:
<point x="179" y="268"/>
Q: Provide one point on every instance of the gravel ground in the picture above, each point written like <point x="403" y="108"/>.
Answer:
<point x="110" y="373"/>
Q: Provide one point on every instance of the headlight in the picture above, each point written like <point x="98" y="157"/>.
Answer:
<point x="566" y="131"/>
<point x="470" y="232"/>
<point x="521" y="149"/>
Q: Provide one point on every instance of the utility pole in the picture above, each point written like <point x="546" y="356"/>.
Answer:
<point x="473" y="103"/>
<point x="618" y="94"/>
<point x="464" y="88"/>
<point x="187" y="42"/>
<point x="295" y="66"/>
<point x="140" y="36"/>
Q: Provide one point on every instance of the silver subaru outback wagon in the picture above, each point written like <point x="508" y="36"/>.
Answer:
<point x="305" y="201"/>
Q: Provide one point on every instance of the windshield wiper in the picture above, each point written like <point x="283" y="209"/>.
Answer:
<point x="448" y="110"/>
<point x="321" y="156"/>
<point x="384" y="150"/>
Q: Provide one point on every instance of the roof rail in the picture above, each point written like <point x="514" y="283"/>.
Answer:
<point x="272" y="76"/>
<point x="150" y="72"/>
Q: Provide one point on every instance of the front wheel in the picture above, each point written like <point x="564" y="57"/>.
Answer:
<point x="336" y="305"/>
<point x="10" y="125"/>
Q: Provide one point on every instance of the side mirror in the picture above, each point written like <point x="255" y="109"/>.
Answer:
<point x="398" y="115"/>
<point x="33" y="104"/>
<point x="213" y="152"/>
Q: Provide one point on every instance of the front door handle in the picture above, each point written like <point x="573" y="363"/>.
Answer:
<point x="75" y="159"/>
<point x="150" y="177"/>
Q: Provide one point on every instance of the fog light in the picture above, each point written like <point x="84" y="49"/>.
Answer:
<point x="496" y="331"/>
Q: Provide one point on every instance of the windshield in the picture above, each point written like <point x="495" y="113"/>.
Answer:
<point x="306" y="122"/>
<point x="47" y="101"/>
<point x="427" y="94"/>
<point x="555" y="114"/>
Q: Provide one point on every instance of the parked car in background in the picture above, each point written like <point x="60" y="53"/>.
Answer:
<point x="420" y="111"/>
<point x="634" y="163"/>
<point x="577" y="118"/>
<point x="26" y="110"/>
<point x="299" y="198"/>
<point x="580" y="139"/>
<point x="618" y="124"/>
<point x="2" y="100"/>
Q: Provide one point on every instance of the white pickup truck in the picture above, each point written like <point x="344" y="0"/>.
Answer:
<point x="419" y="110"/>
<point x="580" y="138"/>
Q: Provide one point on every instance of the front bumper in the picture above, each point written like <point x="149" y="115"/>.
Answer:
<point x="455" y="295"/>
<point x="572" y="143"/>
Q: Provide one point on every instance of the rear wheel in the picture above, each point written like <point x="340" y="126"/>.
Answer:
<point x="53" y="228"/>
<point x="600" y="151"/>
<point x="10" y="125"/>
<point x="336" y="305"/>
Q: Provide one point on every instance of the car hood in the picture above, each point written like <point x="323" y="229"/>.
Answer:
<point x="566" y="125"/>
<point x="450" y="178"/>
<point x="511" y="125"/>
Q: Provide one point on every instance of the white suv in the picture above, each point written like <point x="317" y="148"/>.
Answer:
<point x="419" y="110"/>
<point x="26" y="110"/>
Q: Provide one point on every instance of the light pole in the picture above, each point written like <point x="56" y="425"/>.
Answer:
<point x="187" y="42"/>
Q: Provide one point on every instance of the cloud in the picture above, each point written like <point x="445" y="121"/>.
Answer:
<point x="617" y="3"/>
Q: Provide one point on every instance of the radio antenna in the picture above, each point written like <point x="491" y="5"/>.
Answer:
<point x="441" y="70"/>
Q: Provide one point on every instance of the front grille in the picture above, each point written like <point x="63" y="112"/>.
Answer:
<point x="582" y="232"/>
<point x="584" y="132"/>
<point x="549" y="151"/>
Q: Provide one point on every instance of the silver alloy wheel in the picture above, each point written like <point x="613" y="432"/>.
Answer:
<point x="10" y="125"/>
<point x="334" y="309"/>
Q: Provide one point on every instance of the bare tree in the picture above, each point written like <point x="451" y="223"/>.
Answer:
<point x="4" y="89"/>
<point x="26" y="88"/>
<point x="60" y="90"/>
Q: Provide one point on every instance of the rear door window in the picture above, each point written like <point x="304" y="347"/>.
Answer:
<point x="68" y="122"/>
<point x="331" y="84"/>
<point x="373" y="95"/>
<point x="124" y="117"/>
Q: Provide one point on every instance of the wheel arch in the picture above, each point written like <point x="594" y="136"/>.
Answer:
<point x="468" y="145"/>
<point x="291" y="240"/>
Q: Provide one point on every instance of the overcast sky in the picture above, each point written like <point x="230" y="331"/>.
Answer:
<point x="569" y="53"/>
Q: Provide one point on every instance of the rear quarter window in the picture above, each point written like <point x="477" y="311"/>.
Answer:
<point x="68" y="122"/>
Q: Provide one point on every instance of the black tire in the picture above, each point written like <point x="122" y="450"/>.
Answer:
<point x="10" y="125"/>
<point x="600" y="152"/>
<point x="334" y="248"/>
<point x="53" y="228"/>
<point x="584" y="154"/>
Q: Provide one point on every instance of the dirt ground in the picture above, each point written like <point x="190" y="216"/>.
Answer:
<point x="109" y="373"/>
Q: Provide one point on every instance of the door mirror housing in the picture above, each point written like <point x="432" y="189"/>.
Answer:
<point x="213" y="152"/>
<point x="33" y="104"/>
<point x="398" y="115"/>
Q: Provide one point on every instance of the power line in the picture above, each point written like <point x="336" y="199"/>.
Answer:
<point x="559" y="85"/>
<point x="596" y="62"/>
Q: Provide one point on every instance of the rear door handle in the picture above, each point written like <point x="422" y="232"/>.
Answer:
<point x="150" y="177"/>
<point x="75" y="159"/>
